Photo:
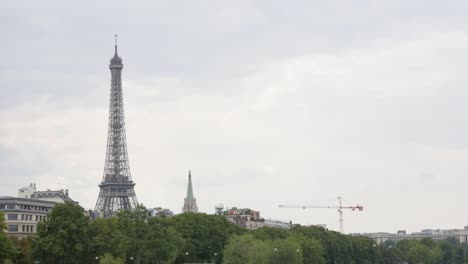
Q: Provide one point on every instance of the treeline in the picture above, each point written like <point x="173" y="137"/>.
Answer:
<point x="69" y="237"/>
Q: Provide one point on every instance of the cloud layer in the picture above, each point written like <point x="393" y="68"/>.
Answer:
<point x="266" y="102"/>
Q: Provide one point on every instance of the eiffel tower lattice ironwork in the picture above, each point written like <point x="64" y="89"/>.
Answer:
<point x="117" y="188"/>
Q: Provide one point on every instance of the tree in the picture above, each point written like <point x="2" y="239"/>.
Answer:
<point x="162" y="242"/>
<point x="134" y="234"/>
<point x="23" y="250"/>
<point x="204" y="234"/>
<point x="266" y="233"/>
<point x="64" y="236"/>
<point x="243" y="249"/>
<point x="285" y="251"/>
<point x="311" y="250"/>
<point x="246" y="249"/>
<point x="448" y="248"/>
<point x="6" y="246"/>
<point x="109" y="259"/>
<point x="105" y="231"/>
<point x="132" y="228"/>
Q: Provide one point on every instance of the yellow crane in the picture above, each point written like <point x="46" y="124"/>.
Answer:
<point x="340" y="208"/>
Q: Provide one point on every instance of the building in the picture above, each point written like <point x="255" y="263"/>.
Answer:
<point x="244" y="217"/>
<point x="250" y="219"/>
<point x="435" y="234"/>
<point x="161" y="212"/>
<point x="116" y="188"/>
<point x="190" y="203"/>
<point x="277" y="224"/>
<point x="22" y="214"/>
<point x="58" y="196"/>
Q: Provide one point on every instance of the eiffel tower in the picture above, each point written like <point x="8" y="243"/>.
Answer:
<point x="117" y="190"/>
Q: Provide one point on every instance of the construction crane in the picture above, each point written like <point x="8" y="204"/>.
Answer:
<point x="340" y="208"/>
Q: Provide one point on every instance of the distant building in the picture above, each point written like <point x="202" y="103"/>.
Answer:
<point x="190" y="203"/>
<point x="159" y="211"/>
<point x="22" y="215"/>
<point x="435" y="234"/>
<point x="276" y="224"/>
<point x="250" y="219"/>
<point x="58" y="196"/>
<point x="244" y="217"/>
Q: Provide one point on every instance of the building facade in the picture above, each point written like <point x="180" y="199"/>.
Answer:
<point x="435" y="234"/>
<point x="58" y="196"/>
<point x="22" y="215"/>
<point x="250" y="219"/>
<point x="160" y="212"/>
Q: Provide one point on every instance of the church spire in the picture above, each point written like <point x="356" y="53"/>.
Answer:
<point x="189" y="187"/>
<point x="190" y="203"/>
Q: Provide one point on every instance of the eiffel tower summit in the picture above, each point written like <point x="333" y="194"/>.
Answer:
<point x="116" y="188"/>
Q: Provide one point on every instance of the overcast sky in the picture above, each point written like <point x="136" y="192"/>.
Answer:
<point x="267" y="102"/>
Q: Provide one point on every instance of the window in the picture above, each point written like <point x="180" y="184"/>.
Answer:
<point x="2" y="206"/>
<point x="37" y="217"/>
<point x="12" y="217"/>
<point x="12" y="228"/>
<point x="22" y="227"/>
<point x="32" y="229"/>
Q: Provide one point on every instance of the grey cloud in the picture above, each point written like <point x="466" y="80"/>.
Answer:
<point x="265" y="101"/>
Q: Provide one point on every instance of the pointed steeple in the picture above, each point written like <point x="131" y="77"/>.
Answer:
<point x="190" y="203"/>
<point x="189" y="187"/>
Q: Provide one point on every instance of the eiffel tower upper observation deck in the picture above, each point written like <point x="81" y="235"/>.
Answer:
<point x="117" y="188"/>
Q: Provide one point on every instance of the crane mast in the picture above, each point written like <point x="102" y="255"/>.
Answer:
<point x="340" y="208"/>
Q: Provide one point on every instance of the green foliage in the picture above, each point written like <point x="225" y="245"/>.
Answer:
<point x="104" y="231"/>
<point x="243" y="249"/>
<point x="271" y="233"/>
<point x="7" y="249"/>
<point x="134" y="234"/>
<point x="69" y="237"/>
<point x="162" y="242"/>
<point x="131" y="230"/>
<point x="109" y="259"/>
<point x="311" y="249"/>
<point x="284" y="251"/>
<point x="23" y="251"/>
<point x="204" y="234"/>
<point x="64" y="237"/>
<point x="247" y="249"/>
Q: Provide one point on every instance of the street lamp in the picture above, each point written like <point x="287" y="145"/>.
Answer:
<point x="298" y="252"/>
<point x="215" y="257"/>
<point x="97" y="259"/>
<point x="276" y="254"/>
<point x="186" y="256"/>
<point x="131" y="259"/>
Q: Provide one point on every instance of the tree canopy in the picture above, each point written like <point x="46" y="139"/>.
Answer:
<point x="68" y="236"/>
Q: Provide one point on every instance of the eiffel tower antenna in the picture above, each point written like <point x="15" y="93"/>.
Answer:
<point x="117" y="188"/>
